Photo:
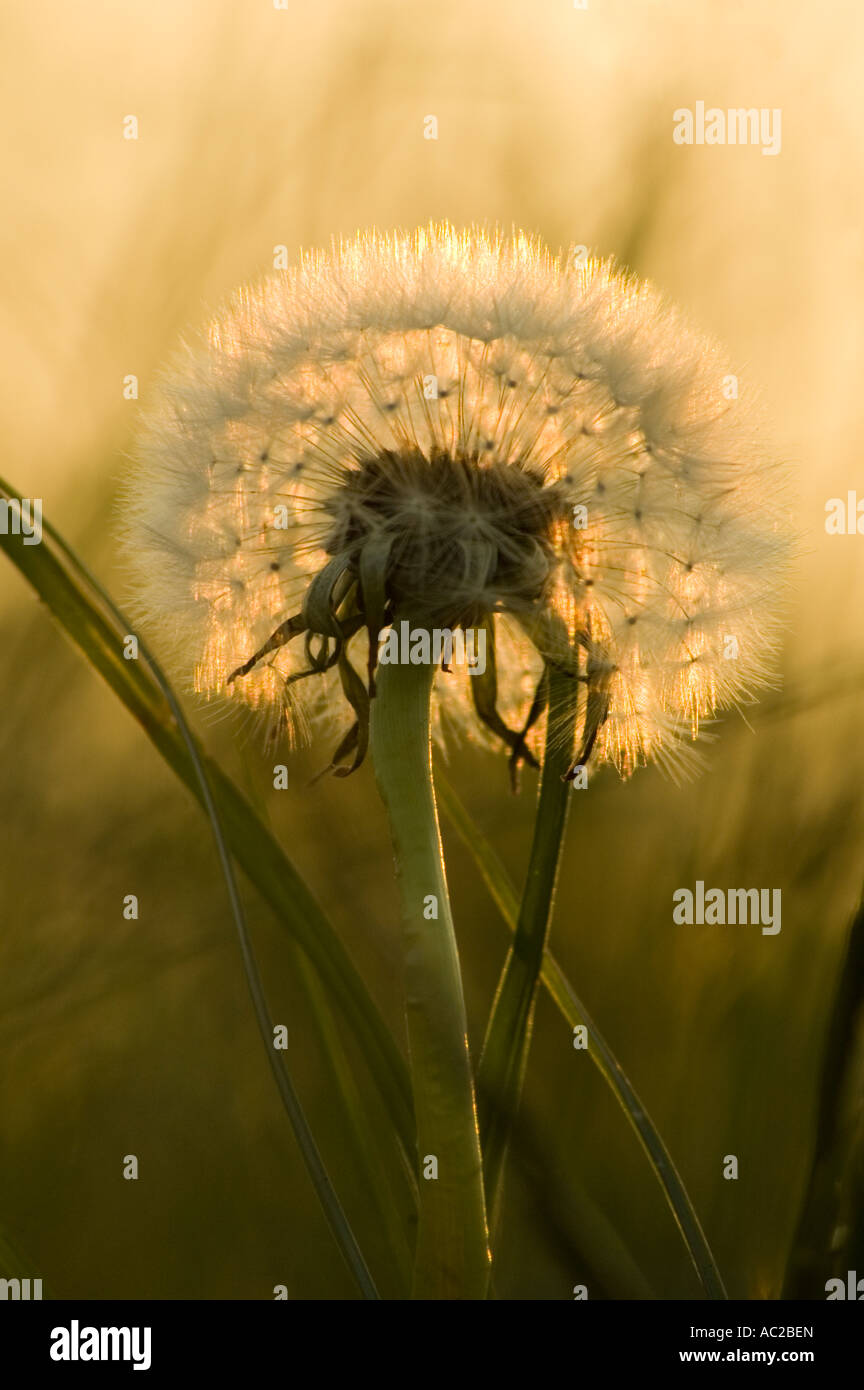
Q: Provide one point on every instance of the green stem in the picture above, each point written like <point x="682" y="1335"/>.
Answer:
<point x="452" y="1259"/>
<point x="508" y="1036"/>
<point x="575" y="1014"/>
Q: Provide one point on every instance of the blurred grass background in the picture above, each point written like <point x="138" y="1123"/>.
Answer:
<point x="261" y="127"/>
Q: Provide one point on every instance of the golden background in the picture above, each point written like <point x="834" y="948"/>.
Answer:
<point x="261" y="127"/>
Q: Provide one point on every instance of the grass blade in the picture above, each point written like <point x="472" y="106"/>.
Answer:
<point x="369" y="1153"/>
<point x="63" y="584"/>
<point x="829" y="1240"/>
<point x="574" y="1012"/>
<point x="508" y="1035"/>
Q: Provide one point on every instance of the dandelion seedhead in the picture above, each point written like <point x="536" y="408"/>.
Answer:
<point x="461" y="430"/>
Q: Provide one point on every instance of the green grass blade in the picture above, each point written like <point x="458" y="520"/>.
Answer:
<point x="829" y="1239"/>
<point x="574" y="1012"/>
<point x="63" y="585"/>
<point x="319" y="1177"/>
<point x="324" y="1189"/>
<point x="508" y="1036"/>
<point x="370" y="1154"/>
<point x="368" y="1023"/>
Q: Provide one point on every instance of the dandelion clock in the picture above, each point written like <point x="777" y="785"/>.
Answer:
<point x="445" y="486"/>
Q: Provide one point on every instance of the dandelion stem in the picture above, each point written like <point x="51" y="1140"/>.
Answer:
<point x="508" y="1035"/>
<point x="452" y="1259"/>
